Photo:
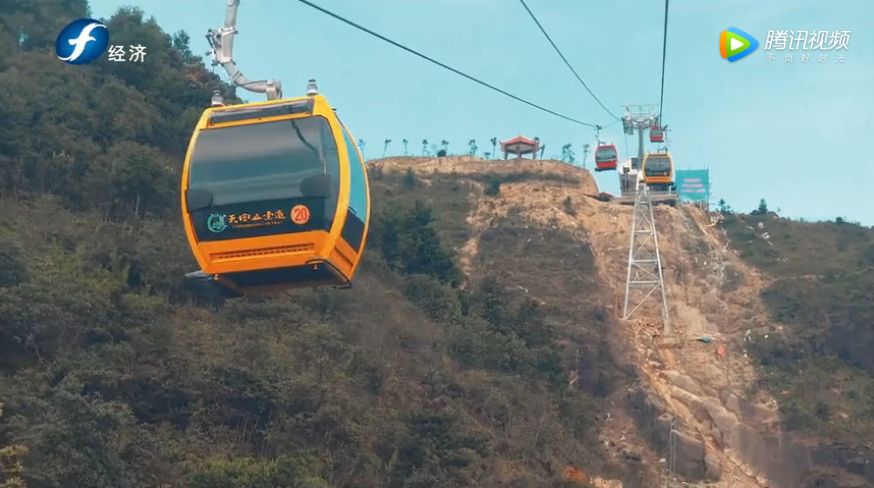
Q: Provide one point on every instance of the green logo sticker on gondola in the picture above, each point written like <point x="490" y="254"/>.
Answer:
<point x="216" y="223"/>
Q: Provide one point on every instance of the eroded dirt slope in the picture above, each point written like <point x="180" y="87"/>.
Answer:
<point x="700" y="375"/>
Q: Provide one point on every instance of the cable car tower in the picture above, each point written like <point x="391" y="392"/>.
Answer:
<point x="644" y="279"/>
<point x="640" y="118"/>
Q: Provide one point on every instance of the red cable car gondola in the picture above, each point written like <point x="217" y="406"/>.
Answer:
<point x="656" y="133"/>
<point x="606" y="157"/>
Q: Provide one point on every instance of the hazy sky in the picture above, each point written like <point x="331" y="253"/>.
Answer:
<point x="786" y="132"/>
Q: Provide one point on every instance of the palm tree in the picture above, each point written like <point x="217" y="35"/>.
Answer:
<point x="385" y="147"/>
<point x="564" y="151"/>
<point x="361" y="145"/>
<point x="542" y="150"/>
<point x="473" y="147"/>
<point x="494" y="141"/>
<point x="445" y="145"/>
<point x="487" y="155"/>
<point x="586" y="148"/>
<point x="424" y="146"/>
<point x="406" y="145"/>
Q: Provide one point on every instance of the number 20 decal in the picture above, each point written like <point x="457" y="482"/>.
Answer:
<point x="300" y="214"/>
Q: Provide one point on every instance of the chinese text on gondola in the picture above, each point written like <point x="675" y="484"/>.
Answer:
<point x="246" y="220"/>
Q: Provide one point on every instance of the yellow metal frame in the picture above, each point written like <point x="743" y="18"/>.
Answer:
<point x="367" y="194"/>
<point x="658" y="179"/>
<point x="282" y="250"/>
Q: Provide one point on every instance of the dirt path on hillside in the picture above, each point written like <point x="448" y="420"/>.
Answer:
<point x="713" y="296"/>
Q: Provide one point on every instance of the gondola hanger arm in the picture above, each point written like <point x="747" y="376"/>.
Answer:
<point x="221" y="42"/>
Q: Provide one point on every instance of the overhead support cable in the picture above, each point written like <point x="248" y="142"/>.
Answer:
<point x="664" y="56"/>
<point x="566" y="62"/>
<point x="442" y="65"/>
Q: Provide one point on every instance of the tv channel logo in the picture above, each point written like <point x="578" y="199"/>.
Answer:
<point x="735" y="44"/>
<point x="82" y="41"/>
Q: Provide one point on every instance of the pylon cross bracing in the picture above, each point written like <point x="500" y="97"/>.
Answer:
<point x="642" y="111"/>
<point x="645" y="279"/>
<point x="639" y="117"/>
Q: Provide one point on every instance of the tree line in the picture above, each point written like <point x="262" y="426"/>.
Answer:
<point x="441" y="149"/>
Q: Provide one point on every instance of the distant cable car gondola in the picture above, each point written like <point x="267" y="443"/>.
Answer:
<point x="275" y="196"/>
<point x="656" y="133"/>
<point x="658" y="171"/>
<point x="606" y="157"/>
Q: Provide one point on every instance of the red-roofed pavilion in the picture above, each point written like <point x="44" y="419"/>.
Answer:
<point x="520" y="146"/>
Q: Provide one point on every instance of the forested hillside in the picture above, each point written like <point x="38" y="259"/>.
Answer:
<point x="816" y="356"/>
<point x="479" y="346"/>
<point x="113" y="376"/>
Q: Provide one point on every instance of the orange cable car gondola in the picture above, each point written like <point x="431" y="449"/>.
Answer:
<point x="658" y="171"/>
<point x="606" y="157"/>
<point x="275" y="196"/>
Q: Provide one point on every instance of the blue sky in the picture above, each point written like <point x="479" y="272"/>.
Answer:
<point x="787" y="132"/>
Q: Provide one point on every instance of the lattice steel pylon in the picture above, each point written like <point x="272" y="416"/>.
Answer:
<point x="645" y="277"/>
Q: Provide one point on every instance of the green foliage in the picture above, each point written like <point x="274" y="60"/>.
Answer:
<point x="493" y="188"/>
<point x="11" y="468"/>
<point x="13" y="266"/>
<point x="101" y="127"/>
<point x="446" y="195"/>
<point x="796" y="249"/>
<point x="762" y="209"/>
<point x="410" y="181"/>
<point x="819" y="366"/>
<point x="299" y="471"/>
<point x="113" y="375"/>
<point x="493" y="335"/>
<point x="409" y="243"/>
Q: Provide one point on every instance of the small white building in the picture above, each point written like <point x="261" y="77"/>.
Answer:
<point x="630" y="175"/>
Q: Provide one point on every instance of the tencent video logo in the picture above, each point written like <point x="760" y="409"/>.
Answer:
<point x="735" y="44"/>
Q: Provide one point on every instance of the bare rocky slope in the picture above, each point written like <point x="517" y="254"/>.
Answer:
<point x="727" y="429"/>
